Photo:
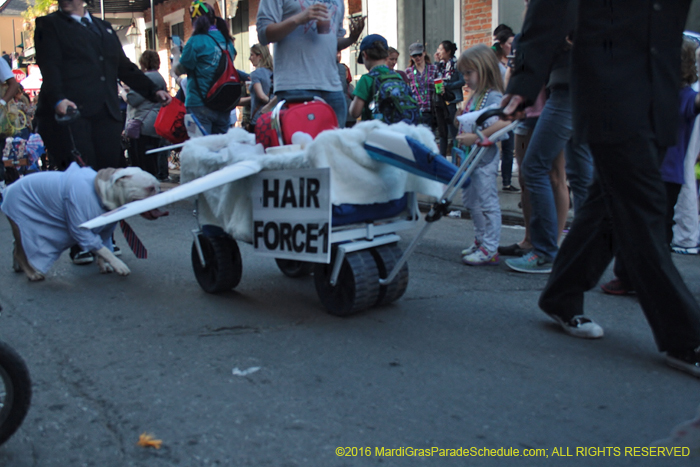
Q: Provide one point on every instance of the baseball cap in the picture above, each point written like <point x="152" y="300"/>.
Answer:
<point x="416" y="48"/>
<point x="367" y="43"/>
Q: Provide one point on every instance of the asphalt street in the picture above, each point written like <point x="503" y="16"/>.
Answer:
<point x="263" y="376"/>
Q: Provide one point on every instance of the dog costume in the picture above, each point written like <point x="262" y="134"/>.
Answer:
<point x="48" y="207"/>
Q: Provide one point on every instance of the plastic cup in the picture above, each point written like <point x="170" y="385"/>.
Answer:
<point x="323" y="26"/>
<point x="439" y="87"/>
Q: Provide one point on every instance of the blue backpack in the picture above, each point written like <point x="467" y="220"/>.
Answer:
<point x="392" y="101"/>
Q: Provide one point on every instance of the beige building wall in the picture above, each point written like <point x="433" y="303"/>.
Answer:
<point x="6" y="43"/>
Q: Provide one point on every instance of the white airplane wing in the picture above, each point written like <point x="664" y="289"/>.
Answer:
<point x="220" y="177"/>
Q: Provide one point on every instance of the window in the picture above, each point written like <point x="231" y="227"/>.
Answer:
<point x="149" y="39"/>
<point x="178" y="30"/>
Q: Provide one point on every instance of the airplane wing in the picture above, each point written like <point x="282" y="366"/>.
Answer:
<point x="220" y="177"/>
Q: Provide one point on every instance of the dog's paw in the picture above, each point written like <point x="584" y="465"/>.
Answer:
<point x="35" y="276"/>
<point x="119" y="267"/>
<point x="105" y="268"/>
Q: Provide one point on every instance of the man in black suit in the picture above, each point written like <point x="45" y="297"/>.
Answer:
<point x="81" y="59"/>
<point x="625" y="87"/>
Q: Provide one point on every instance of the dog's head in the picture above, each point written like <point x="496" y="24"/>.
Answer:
<point x="116" y="187"/>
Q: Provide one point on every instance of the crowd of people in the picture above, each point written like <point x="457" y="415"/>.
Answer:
<point x="575" y="135"/>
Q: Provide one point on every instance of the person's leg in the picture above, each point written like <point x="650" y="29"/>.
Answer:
<point x="57" y="143"/>
<point x="203" y="117"/>
<point x="686" y="228"/>
<point x="552" y="132"/>
<point x="134" y="152"/>
<point x="221" y="122"/>
<point x="579" y="171"/>
<point x="557" y="179"/>
<point x="672" y="192"/>
<point x="451" y="128"/>
<point x="629" y="199"/>
<point x="471" y="201"/>
<point x="337" y="101"/>
<point x="106" y="143"/>
<point x="149" y="161"/>
<point x="441" y="122"/>
<point x="162" y="162"/>
<point x="507" y="148"/>
<point x="490" y="205"/>
<point x="521" y="140"/>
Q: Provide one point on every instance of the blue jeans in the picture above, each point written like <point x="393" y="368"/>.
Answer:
<point x="213" y="122"/>
<point x="553" y="133"/>
<point x="336" y="99"/>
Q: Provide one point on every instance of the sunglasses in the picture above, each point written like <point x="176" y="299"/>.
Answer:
<point x="416" y="55"/>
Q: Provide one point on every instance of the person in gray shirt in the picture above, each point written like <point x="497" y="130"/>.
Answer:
<point x="307" y="34"/>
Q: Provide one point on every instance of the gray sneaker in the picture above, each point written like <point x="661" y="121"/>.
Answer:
<point x="579" y="326"/>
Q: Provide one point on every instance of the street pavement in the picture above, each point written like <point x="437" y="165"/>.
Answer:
<point x="263" y="376"/>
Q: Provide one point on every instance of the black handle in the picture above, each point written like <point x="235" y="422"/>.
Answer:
<point x="488" y="114"/>
<point x="72" y="114"/>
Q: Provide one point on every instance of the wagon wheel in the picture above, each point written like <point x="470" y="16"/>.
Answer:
<point x="386" y="257"/>
<point x="223" y="268"/>
<point x="356" y="289"/>
<point x="292" y="268"/>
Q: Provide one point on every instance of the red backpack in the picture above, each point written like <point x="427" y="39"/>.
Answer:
<point x="225" y="91"/>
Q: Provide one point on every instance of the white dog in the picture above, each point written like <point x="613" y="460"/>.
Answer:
<point x="45" y="210"/>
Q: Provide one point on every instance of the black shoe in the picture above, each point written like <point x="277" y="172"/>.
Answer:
<point x="687" y="361"/>
<point x="84" y="257"/>
<point x="117" y="251"/>
<point x="511" y="188"/>
<point x="513" y="250"/>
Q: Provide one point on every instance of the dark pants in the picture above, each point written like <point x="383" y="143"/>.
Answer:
<point x="625" y="210"/>
<point x="139" y="158"/>
<point x="97" y="139"/>
<point x="445" y="117"/>
<point x="672" y="192"/>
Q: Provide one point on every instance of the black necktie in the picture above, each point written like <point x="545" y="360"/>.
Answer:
<point x="90" y="25"/>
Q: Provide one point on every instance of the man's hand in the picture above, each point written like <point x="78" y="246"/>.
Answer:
<point x="163" y="97"/>
<point x="511" y="104"/>
<point x="315" y="12"/>
<point x="62" y="106"/>
<point x="357" y="24"/>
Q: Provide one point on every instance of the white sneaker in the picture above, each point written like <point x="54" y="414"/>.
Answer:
<point x="474" y="246"/>
<point x="579" y="326"/>
<point x="481" y="257"/>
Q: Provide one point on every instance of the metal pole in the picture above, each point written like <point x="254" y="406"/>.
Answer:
<point x="153" y="26"/>
<point x="223" y="11"/>
<point x="14" y="41"/>
<point x="102" y="9"/>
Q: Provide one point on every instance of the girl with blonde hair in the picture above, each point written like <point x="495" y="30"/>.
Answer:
<point x="479" y="66"/>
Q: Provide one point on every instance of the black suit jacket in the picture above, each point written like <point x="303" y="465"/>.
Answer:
<point x="79" y="65"/>
<point x="626" y="64"/>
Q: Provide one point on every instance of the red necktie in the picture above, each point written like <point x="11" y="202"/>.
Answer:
<point x="133" y="241"/>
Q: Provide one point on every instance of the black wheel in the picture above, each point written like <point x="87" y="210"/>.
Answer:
<point x="223" y="267"/>
<point x="291" y="268"/>
<point x="15" y="391"/>
<point x="386" y="257"/>
<point x="356" y="289"/>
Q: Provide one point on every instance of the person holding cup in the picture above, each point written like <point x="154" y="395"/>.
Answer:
<point x="307" y="35"/>
<point x="421" y="76"/>
<point x="448" y="90"/>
